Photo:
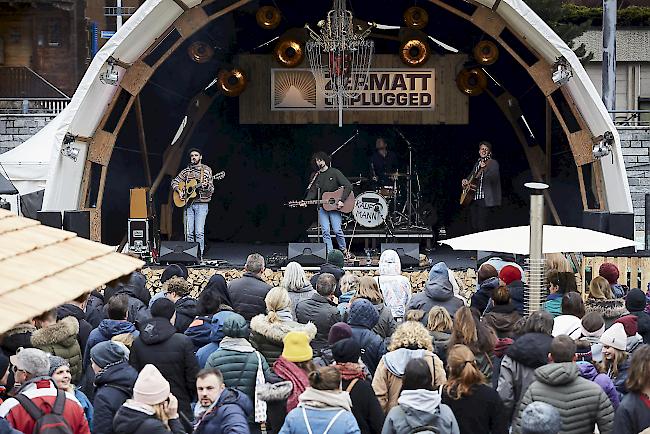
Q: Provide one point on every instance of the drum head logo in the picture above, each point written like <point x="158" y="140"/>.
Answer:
<point x="370" y="210"/>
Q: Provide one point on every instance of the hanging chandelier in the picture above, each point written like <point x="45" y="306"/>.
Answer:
<point x="340" y="56"/>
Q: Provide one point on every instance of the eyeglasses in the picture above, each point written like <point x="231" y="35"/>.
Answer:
<point x="15" y="370"/>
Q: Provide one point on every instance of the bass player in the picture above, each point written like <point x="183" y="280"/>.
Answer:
<point x="487" y="194"/>
<point x="328" y="179"/>
<point x="196" y="211"/>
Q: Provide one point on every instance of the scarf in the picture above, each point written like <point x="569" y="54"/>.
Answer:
<point x="325" y="399"/>
<point x="284" y="314"/>
<point x="350" y="371"/>
<point x="291" y="372"/>
<point x="236" y="344"/>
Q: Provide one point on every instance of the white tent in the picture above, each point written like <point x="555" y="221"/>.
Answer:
<point x="154" y="16"/>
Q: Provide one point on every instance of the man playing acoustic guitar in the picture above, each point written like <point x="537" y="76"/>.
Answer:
<point x="195" y="211"/>
<point x="484" y="184"/>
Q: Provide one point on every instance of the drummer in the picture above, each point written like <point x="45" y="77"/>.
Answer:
<point x="382" y="163"/>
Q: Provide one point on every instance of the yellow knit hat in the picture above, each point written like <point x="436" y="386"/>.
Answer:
<point x="296" y="347"/>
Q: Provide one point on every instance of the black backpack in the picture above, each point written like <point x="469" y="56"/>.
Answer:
<point x="50" y="423"/>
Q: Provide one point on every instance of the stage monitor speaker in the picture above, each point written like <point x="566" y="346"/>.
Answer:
<point x="307" y="253"/>
<point x="183" y="252"/>
<point x="77" y="222"/>
<point x="409" y="253"/>
<point x="138" y="203"/>
<point x="53" y="219"/>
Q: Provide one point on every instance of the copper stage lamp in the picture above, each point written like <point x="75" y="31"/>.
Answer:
<point x="414" y="52"/>
<point x="415" y="17"/>
<point x="268" y="17"/>
<point x="289" y="52"/>
<point x="471" y="81"/>
<point x="200" y="51"/>
<point x="486" y="52"/>
<point x="232" y="82"/>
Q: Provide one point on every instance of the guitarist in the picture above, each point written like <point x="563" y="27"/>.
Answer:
<point x="328" y="179"/>
<point x="196" y="211"/>
<point x="487" y="195"/>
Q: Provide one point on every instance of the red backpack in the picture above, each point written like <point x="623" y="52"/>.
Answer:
<point x="47" y="423"/>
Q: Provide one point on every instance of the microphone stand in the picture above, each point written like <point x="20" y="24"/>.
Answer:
<point x="410" y="172"/>
<point x="356" y="133"/>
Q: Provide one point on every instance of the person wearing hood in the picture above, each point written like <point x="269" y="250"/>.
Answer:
<point x="59" y="338"/>
<point x="581" y="403"/>
<point x="19" y="336"/>
<point x="209" y="303"/>
<point x="635" y="302"/>
<point x="503" y="317"/>
<point x="419" y="405"/>
<point x="438" y="291"/>
<point x="559" y="283"/>
<point x="178" y="291"/>
<point x="153" y="408"/>
<point x="411" y="340"/>
<point x="220" y="409"/>
<point x="333" y="266"/>
<point x="369" y="290"/>
<point x="363" y="317"/>
<point x="137" y="284"/>
<point x="247" y="293"/>
<point x="321" y="310"/>
<point x="114" y="380"/>
<point x="476" y="406"/>
<point x="601" y="300"/>
<point x="395" y="288"/>
<point x="634" y="339"/>
<point x="633" y="415"/>
<point x="60" y="373"/>
<point x="268" y="331"/>
<point x="216" y="335"/>
<point x="592" y="327"/>
<point x="528" y="352"/>
<point x="488" y="281"/>
<point x="76" y="308"/>
<point x="172" y="353"/>
<point x="439" y="325"/>
<point x="349" y="284"/>
<point x="615" y="359"/>
<point x="365" y="406"/>
<point x="610" y="272"/>
<point x="324" y="407"/>
<point x="137" y="311"/>
<point x="297" y="285"/>
<point x="589" y="371"/>
<point x="570" y="322"/>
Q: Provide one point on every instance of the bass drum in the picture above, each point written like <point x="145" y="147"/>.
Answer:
<point x="370" y="209"/>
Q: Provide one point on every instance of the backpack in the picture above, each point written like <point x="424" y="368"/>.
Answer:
<point x="50" y="423"/>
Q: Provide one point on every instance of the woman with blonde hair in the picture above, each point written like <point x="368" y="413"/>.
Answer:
<point x="632" y="416"/>
<point x="477" y="407"/>
<point x="268" y="331"/>
<point x="439" y="324"/>
<point x="469" y="331"/>
<point x="411" y="340"/>
<point x="557" y="262"/>
<point x="297" y="285"/>
<point x="349" y="286"/>
<point x="601" y="299"/>
<point x="615" y="359"/>
<point x="369" y="290"/>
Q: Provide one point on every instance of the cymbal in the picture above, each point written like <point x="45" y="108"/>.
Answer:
<point x="357" y="179"/>
<point x="398" y="175"/>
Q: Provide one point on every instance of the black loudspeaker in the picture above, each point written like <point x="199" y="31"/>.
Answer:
<point x="621" y="224"/>
<point x="183" y="252"/>
<point x="77" y="222"/>
<point x="307" y="253"/>
<point x="53" y="219"/>
<point x="595" y="220"/>
<point x="409" y="253"/>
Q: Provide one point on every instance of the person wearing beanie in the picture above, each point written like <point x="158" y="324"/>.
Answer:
<point x="592" y="328"/>
<point x="600" y="299"/>
<point x="60" y="373"/>
<point x="634" y="339"/>
<point x="365" y="406"/>
<point x="32" y="372"/>
<point x="320" y="309"/>
<point x="633" y="415"/>
<point x="333" y="266"/>
<point x="615" y="358"/>
<point x="541" y="418"/>
<point x="362" y="318"/>
<point x="172" y="353"/>
<point x="153" y="408"/>
<point x="114" y="380"/>
<point x="248" y="292"/>
<point x="610" y="272"/>
<point x="635" y="302"/>
<point x="340" y="330"/>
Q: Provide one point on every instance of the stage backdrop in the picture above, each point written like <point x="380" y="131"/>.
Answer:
<point x="396" y="94"/>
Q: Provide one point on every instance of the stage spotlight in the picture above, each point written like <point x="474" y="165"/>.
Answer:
<point x="110" y="76"/>
<point x="562" y="72"/>
<point x="70" y="152"/>
<point x="603" y="146"/>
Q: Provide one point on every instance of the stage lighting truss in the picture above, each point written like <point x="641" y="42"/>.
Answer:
<point x="562" y="72"/>
<point x="110" y="76"/>
<point x="340" y="56"/>
<point x="603" y="145"/>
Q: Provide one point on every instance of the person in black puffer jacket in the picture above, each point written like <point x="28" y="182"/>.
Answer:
<point x="488" y="280"/>
<point x="114" y="379"/>
<point x="137" y="286"/>
<point x="137" y="312"/>
<point x="248" y="292"/>
<point x="321" y="310"/>
<point x="172" y="353"/>
<point x="363" y="317"/>
<point x="75" y="309"/>
<point x="177" y="290"/>
<point x="95" y="308"/>
<point x="635" y="304"/>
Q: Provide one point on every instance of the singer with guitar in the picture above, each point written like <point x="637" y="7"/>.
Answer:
<point x="482" y="189"/>
<point x="195" y="211"/>
<point x="328" y="179"/>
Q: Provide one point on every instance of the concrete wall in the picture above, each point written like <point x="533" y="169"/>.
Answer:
<point x="15" y="129"/>
<point x="635" y="143"/>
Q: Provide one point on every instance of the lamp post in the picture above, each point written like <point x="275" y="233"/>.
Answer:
<point x="535" y="278"/>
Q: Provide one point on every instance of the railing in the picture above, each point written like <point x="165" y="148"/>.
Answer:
<point x="32" y="106"/>
<point x="113" y="11"/>
<point x="631" y="118"/>
<point x="23" y="82"/>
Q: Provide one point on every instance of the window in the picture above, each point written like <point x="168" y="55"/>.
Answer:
<point x="54" y="33"/>
<point x="644" y="104"/>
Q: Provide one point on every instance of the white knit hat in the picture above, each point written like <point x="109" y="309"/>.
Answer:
<point x="150" y="387"/>
<point x="615" y="337"/>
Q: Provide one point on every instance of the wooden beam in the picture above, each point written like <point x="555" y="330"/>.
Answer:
<point x="549" y="141"/>
<point x="182" y="5"/>
<point x="142" y="139"/>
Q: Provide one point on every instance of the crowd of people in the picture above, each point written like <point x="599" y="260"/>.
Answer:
<point x="337" y="354"/>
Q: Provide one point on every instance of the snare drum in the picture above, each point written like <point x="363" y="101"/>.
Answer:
<point x="387" y="191"/>
<point x="370" y="209"/>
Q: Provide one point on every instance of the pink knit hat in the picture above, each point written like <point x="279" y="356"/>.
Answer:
<point x="150" y="387"/>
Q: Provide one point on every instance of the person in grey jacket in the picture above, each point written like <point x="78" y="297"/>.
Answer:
<point x="248" y="292"/>
<point x="581" y="403"/>
<point x="321" y="310"/>
<point x="438" y="291"/>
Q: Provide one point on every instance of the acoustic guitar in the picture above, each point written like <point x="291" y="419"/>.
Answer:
<point x="467" y="195"/>
<point x="187" y="191"/>
<point x="329" y="201"/>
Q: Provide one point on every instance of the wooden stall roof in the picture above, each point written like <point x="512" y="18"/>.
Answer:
<point x="43" y="267"/>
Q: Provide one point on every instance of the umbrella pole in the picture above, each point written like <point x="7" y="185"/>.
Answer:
<point x="535" y="286"/>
